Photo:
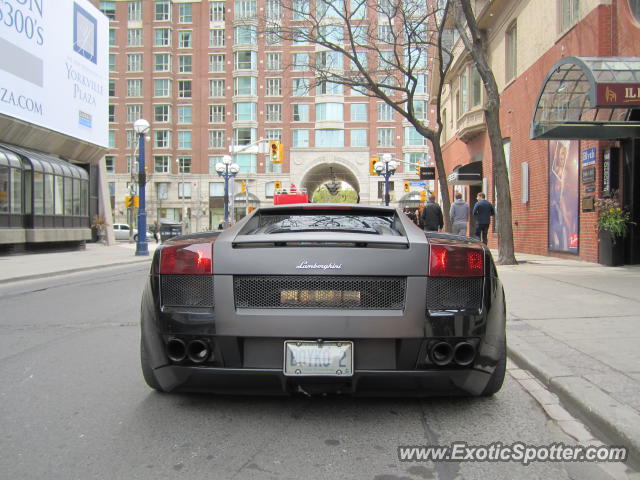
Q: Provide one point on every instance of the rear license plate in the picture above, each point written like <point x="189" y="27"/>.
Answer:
<point x="318" y="358"/>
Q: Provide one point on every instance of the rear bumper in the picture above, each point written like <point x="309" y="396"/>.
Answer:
<point x="362" y="383"/>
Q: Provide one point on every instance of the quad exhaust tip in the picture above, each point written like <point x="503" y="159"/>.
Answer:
<point x="441" y="353"/>
<point x="198" y="351"/>
<point x="176" y="350"/>
<point x="464" y="353"/>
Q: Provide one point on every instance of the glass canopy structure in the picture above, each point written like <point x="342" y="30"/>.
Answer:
<point x="589" y="98"/>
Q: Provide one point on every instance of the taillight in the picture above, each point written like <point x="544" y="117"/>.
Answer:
<point x="188" y="259"/>
<point x="455" y="261"/>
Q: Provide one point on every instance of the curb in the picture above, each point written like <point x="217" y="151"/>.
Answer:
<point x="36" y="276"/>
<point x="616" y="421"/>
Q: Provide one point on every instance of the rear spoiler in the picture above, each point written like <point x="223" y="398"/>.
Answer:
<point x="316" y="239"/>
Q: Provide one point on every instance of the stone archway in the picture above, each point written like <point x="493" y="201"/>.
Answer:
<point x="322" y="173"/>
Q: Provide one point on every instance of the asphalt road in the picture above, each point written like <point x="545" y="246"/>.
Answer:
<point x="73" y="405"/>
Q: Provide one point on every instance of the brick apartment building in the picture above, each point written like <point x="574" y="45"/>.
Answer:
<point x="206" y="79"/>
<point x="554" y="59"/>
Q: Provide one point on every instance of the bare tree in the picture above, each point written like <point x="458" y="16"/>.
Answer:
<point x="379" y="49"/>
<point x="473" y="40"/>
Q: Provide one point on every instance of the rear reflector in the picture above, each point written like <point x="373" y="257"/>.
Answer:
<point x="188" y="259"/>
<point x="455" y="261"/>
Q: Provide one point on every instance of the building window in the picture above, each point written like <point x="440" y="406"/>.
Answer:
<point x="162" y="113"/>
<point x="330" y="111"/>
<point x="247" y="162"/>
<point x="134" y="112"/>
<point x="246" y="60"/>
<point x="216" y="37"/>
<point x="112" y="87"/>
<point x="328" y="88"/>
<point x="245" y="86"/>
<point x="359" y="112"/>
<point x="274" y="112"/>
<point x="184" y="190"/>
<point x="244" y="136"/>
<point x="162" y="62"/>
<point x="162" y="138"/>
<point x="274" y="87"/>
<point x="131" y="138"/>
<point x="216" y="139"/>
<point x="162" y="10"/>
<point x="301" y="138"/>
<point x="300" y="112"/>
<point x="216" y="87"/>
<point x="109" y="9"/>
<point x="273" y="134"/>
<point x="184" y="164"/>
<point x="217" y="113"/>
<point x="134" y="62"/>
<point x="112" y="37"/>
<point x="184" y="114"/>
<point x="216" y="12"/>
<point x="300" y="61"/>
<point x="634" y="8"/>
<point x="420" y="109"/>
<point x="162" y="37"/>
<point x="359" y="137"/>
<point x="245" y="35"/>
<point x="112" y="139"/>
<point x="569" y="13"/>
<point x="161" y="87"/>
<point x="185" y="39"/>
<point x="134" y="37"/>
<point x="329" y="138"/>
<point x="331" y="33"/>
<point x="274" y="10"/>
<point x="273" y="37"/>
<point x="134" y="88"/>
<point x="185" y="13"/>
<point x="216" y="62"/>
<point x="385" y="137"/>
<point x="300" y="87"/>
<point x="385" y="112"/>
<point x="184" y="88"/>
<point x="135" y="10"/>
<point x="463" y="97"/>
<point x="329" y="60"/>
<point x="161" y="163"/>
<point x="112" y="113"/>
<point x="476" y="87"/>
<point x="300" y="9"/>
<point x="381" y="189"/>
<point x="245" y="9"/>
<point x="511" y="53"/>
<point x="110" y="163"/>
<point x="112" y="62"/>
<point x="162" y="190"/>
<point x="245" y="111"/>
<point x="184" y="64"/>
<point x="274" y="61"/>
<point x="213" y="160"/>
<point x="413" y="138"/>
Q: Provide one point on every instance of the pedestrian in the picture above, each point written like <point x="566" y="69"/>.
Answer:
<point x="459" y="215"/>
<point x="418" y="214"/>
<point x="155" y="229"/>
<point x="408" y="211"/>
<point x="483" y="210"/>
<point x="432" y="215"/>
<point x="221" y="225"/>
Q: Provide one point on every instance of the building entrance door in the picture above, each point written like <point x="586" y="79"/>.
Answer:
<point x="631" y="197"/>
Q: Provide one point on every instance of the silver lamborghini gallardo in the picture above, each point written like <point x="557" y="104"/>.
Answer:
<point x="317" y="298"/>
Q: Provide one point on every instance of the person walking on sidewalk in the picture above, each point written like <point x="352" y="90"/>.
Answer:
<point x="459" y="214"/>
<point x="483" y="210"/>
<point x="432" y="215"/>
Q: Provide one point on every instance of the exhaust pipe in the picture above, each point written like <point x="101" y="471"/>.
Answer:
<point x="441" y="353"/>
<point x="197" y="351"/>
<point x="464" y="353"/>
<point x="176" y="350"/>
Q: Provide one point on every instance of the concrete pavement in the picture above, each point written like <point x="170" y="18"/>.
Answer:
<point x="574" y="325"/>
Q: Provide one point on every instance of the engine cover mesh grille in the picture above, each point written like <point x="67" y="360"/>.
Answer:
<point x="454" y="293"/>
<point x="186" y="290"/>
<point x="301" y="291"/>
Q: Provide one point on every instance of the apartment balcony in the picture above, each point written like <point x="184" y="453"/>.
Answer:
<point x="471" y="124"/>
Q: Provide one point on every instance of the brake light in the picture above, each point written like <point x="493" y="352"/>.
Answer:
<point x="189" y="259"/>
<point x="455" y="261"/>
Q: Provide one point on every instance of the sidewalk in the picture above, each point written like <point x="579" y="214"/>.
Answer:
<point x="43" y="264"/>
<point x="574" y="325"/>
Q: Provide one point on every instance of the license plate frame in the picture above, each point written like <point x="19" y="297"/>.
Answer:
<point x="311" y="358"/>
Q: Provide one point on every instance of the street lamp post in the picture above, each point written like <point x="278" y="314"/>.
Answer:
<point x="141" y="127"/>
<point x="227" y="169"/>
<point x="182" y="213"/>
<point x="386" y="167"/>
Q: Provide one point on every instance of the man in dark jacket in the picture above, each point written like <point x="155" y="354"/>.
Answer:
<point x="483" y="210"/>
<point x="432" y="215"/>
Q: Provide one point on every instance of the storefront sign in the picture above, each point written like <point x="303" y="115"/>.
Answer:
<point x="618" y="95"/>
<point x="590" y="188"/>
<point x="589" y="157"/>
<point x="589" y="175"/>
<point x="609" y="171"/>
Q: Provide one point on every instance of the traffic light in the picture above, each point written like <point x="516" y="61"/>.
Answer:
<point x="372" y="165"/>
<point x="276" y="151"/>
<point x="128" y="201"/>
<point x="243" y="187"/>
<point x="423" y="196"/>
<point x="277" y="185"/>
<point x="407" y="187"/>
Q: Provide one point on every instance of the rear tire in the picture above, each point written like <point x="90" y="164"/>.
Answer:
<point x="135" y="238"/>
<point x="147" y="371"/>
<point x="497" y="377"/>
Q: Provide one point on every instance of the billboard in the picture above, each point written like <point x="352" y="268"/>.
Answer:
<point x="564" y="193"/>
<point x="55" y="66"/>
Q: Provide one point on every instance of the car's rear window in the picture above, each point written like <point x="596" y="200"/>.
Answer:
<point x="339" y="222"/>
